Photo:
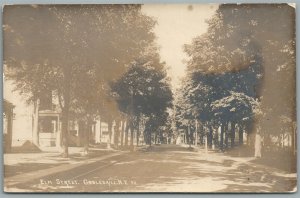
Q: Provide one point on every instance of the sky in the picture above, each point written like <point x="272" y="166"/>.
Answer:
<point x="178" y="24"/>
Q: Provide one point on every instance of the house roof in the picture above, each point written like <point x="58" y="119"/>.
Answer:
<point x="7" y="104"/>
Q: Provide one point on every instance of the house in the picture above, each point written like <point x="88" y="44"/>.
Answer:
<point x="40" y="122"/>
<point x="8" y="115"/>
<point x="22" y="114"/>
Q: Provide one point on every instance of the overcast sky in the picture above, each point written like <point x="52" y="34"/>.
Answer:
<point x="177" y="25"/>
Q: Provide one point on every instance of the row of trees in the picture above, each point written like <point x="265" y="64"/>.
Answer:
<point x="144" y="95"/>
<point x="225" y="100"/>
<point x="241" y="75"/>
<point x="100" y="61"/>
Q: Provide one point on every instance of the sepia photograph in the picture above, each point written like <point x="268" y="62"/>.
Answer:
<point x="149" y="98"/>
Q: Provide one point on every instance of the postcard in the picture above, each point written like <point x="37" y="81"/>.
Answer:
<point x="130" y="98"/>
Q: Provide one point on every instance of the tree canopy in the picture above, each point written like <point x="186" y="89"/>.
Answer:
<point x="74" y="50"/>
<point x="235" y="68"/>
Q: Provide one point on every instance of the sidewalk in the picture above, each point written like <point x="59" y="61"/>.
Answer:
<point x="21" y="168"/>
<point x="245" y="157"/>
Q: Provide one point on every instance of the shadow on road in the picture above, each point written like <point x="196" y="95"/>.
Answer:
<point x="166" y="148"/>
<point x="169" y="168"/>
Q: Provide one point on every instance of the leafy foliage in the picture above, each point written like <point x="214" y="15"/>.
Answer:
<point x="75" y="51"/>
<point x="234" y="69"/>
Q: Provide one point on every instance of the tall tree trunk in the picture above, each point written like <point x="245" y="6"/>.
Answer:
<point x="122" y="132"/>
<point x="201" y="134"/>
<point x="196" y="132"/>
<point x="126" y="132"/>
<point x="87" y="131"/>
<point x="161" y="137"/>
<point x="210" y="136"/>
<point x="100" y="130"/>
<point x="81" y="133"/>
<point x="35" y="131"/>
<point x="150" y="138"/>
<point x="65" y="111"/>
<point x="241" y="135"/>
<point x="257" y="152"/>
<point x="138" y="131"/>
<point x="294" y="138"/>
<point x="109" y="123"/>
<point x="222" y="137"/>
<point x="65" y="131"/>
<point x="59" y="134"/>
<point x="189" y="136"/>
<point x="117" y="133"/>
<point x="226" y="135"/>
<point x="216" y="138"/>
<point x="232" y="136"/>
<point x="65" y="126"/>
<point x="131" y="135"/>
<point x="8" y="138"/>
<point x="248" y="139"/>
<point x="258" y="144"/>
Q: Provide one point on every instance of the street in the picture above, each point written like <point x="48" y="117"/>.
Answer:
<point x="165" y="168"/>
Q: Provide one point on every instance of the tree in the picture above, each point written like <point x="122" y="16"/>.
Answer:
<point x="241" y="38"/>
<point x="207" y="96"/>
<point x="253" y="25"/>
<point x="143" y="90"/>
<point x="63" y="45"/>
